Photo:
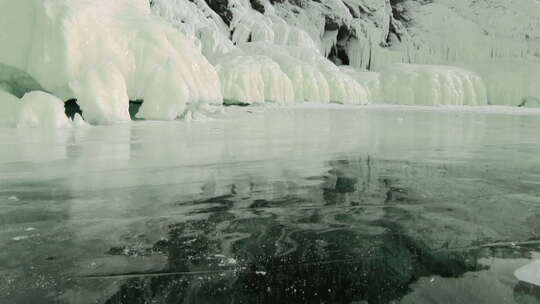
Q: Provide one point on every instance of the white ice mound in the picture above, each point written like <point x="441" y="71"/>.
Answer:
<point x="35" y="110"/>
<point x="254" y="79"/>
<point x="411" y="84"/>
<point x="314" y="78"/>
<point x="370" y="80"/>
<point x="101" y="51"/>
<point x="529" y="273"/>
<point x="102" y="95"/>
<point x="42" y="110"/>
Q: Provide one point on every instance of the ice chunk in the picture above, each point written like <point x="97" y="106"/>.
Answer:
<point x="102" y="95"/>
<point x="529" y="273"/>
<point x="40" y="109"/>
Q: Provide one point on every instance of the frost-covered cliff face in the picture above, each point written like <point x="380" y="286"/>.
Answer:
<point x="497" y="39"/>
<point x="178" y="56"/>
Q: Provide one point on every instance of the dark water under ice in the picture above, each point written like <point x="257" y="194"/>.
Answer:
<point x="374" y="205"/>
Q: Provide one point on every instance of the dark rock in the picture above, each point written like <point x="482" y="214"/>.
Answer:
<point x="257" y="5"/>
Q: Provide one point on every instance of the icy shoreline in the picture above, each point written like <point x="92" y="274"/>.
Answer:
<point x="183" y="58"/>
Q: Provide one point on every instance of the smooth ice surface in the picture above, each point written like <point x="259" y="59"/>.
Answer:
<point x="529" y="273"/>
<point x="407" y="203"/>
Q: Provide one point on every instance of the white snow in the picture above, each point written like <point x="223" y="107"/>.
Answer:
<point x="529" y="273"/>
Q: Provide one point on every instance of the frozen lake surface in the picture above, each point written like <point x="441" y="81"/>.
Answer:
<point x="297" y="205"/>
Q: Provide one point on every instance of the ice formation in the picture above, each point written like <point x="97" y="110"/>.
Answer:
<point x="102" y="53"/>
<point x="498" y="39"/>
<point x="35" y="109"/>
<point x="178" y="56"/>
<point x="431" y="85"/>
<point x="267" y="57"/>
<point x="373" y="35"/>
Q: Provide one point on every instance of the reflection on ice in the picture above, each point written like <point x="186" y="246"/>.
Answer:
<point x="281" y="205"/>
